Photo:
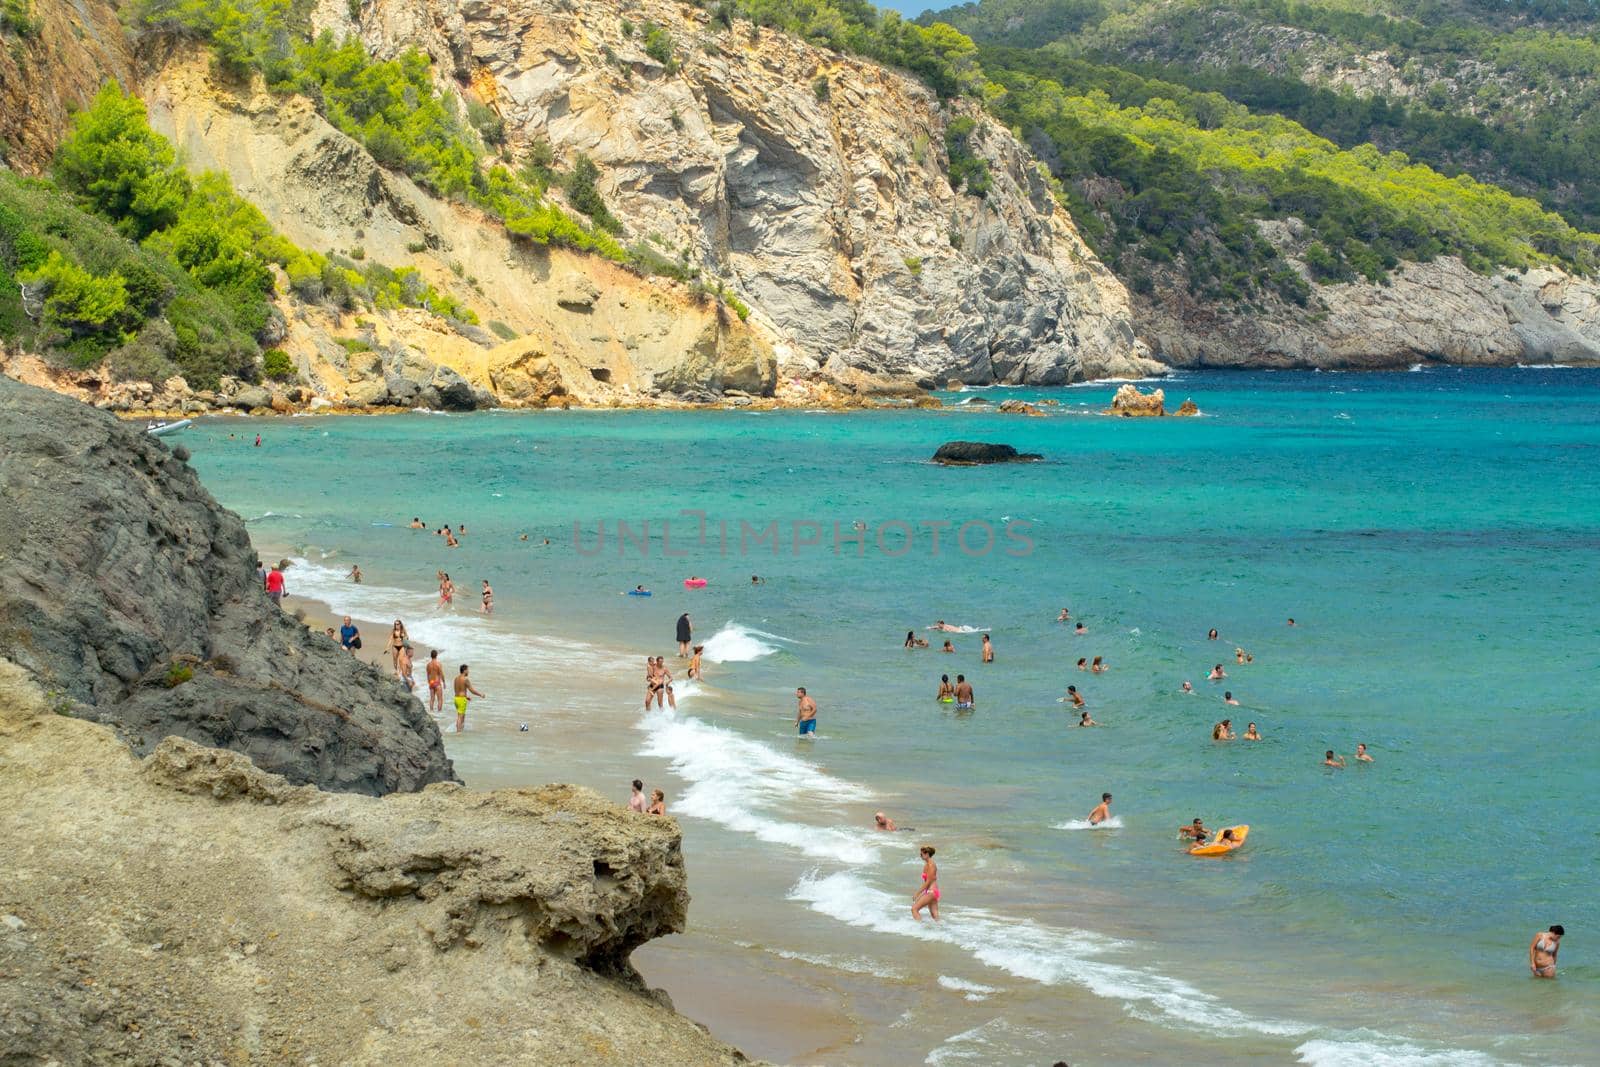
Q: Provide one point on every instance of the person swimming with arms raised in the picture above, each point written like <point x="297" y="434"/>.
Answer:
<point x="1195" y="830"/>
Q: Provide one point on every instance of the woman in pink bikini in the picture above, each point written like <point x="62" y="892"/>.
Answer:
<point x="928" y="895"/>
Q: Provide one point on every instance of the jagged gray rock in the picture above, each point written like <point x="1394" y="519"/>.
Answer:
<point x="122" y="575"/>
<point x="968" y="453"/>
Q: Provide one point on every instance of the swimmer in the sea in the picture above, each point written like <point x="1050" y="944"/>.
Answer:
<point x="1542" y="952"/>
<point x="947" y="692"/>
<point x="911" y="639"/>
<point x="1291" y="622"/>
<point x="1098" y="666"/>
<point x="418" y="524"/>
<point x="1227" y="840"/>
<point x="1251" y="733"/>
<point x="883" y="822"/>
<point x="1227" y="698"/>
<point x="1085" y="720"/>
<point x="948" y="647"/>
<point x="1083" y="663"/>
<point x="1186" y="687"/>
<point x="1222" y="731"/>
<point x="488" y="598"/>
<point x="1195" y="830"/>
<point x="942" y="625"/>
<point x="1211" y="635"/>
<point x="1361" y="753"/>
<point x="1217" y="673"/>
<point x="1102" y="810"/>
<point x="927" y="896"/>
<point x="1064" y="616"/>
<point x="1079" y="630"/>
<point x="1073" y="696"/>
<point x="1238" y="655"/>
<point x="988" y="650"/>
<point x="1330" y="760"/>
<point x="964" y="697"/>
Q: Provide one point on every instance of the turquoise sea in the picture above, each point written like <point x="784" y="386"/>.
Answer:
<point x="1436" y="536"/>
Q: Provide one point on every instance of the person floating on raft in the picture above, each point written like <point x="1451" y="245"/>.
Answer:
<point x="1230" y="839"/>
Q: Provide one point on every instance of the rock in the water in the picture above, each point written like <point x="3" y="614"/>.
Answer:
<point x="1018" y="407"/>
<point x="1188" y="407"/>
<point x="454" y="392"/>
<point x="1130" y="403"/>
<point x="972" y="452"/>
<point x="127" y="590"/>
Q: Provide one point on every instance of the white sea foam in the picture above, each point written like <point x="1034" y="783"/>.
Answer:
<point x="973" y="990"/>
<point x="1325" y="1052"/>
<point x="1112" y="823"/>
<point x="994" y="1041"/>
<point x="749" y="788"/>
<point x="735" y="643"/>
<point x="849" y="964"/>
<point x="1048" y="955"/>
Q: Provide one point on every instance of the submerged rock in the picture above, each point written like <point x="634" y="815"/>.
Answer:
<point x="129" y="592"/>
<point x="967" y="453"/>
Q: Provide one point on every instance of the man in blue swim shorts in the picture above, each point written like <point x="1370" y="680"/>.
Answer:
<point x="805" y="716"/>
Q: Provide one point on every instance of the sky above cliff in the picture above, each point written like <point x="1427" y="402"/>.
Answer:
<point x="910" y="8"/>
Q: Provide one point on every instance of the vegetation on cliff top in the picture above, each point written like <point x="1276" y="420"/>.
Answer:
<point x="1505" y="90"/>
<point x="129" y="257"/>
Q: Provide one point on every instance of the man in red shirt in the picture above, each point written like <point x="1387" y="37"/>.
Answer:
<point x="275" y="584"/>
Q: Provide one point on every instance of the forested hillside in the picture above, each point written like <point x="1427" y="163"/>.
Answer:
<point x="1504" y="90"/>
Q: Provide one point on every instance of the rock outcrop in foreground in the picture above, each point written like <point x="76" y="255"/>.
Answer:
<point x="190" y="908"/>
<point x="132" y="597"/>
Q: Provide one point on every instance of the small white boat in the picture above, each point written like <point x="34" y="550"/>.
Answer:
<point x="161" y="429"/>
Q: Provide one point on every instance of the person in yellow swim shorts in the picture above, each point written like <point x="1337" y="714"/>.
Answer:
<point x="463" y="687"/>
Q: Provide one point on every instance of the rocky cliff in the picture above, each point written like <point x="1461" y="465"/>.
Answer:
<point x="132" y="597"/>
<point x="190" y="908"/>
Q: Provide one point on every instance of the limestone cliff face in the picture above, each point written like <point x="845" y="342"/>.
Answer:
<point x="47" y="74"/>
<point x="190" y="908"/>
<point x="1439" y="311"/>
<point x="815" y="184"/>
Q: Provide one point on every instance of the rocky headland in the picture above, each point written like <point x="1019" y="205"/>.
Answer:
<point x="132" y="597"/>
<point x="167" y="899"/>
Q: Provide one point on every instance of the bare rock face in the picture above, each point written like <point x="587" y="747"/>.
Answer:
<point x="830" y="213"/>
<point x="1018" y="407"/>
<point x="192" y="908"/>
<point x="970" y="453"/>
<point x="126" y="590"/>
<point x="1187" y="408"/>
<point x="1130" y="403"/>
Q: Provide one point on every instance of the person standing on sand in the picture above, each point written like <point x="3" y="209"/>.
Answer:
<point x="1542" y="952"/>
<point x="685" y="634"/>
<point x="927" y="896"/>
<point x="636" y="802"/>
<point x="488" y="598"/>
<point x="447" y="591"/>
<point x="464" y="686"/>
<point x="964" y="697"/>
<point x="435" y="682"/>
<point x="274" y="583"/>
<point x="397" y="643"/>
<point x="1102" y="810"/>
<point x="988" y="650"/>
<point x="805" y="713"/>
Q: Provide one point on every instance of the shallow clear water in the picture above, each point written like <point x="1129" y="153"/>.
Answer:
<point x="1435" y="535"/>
